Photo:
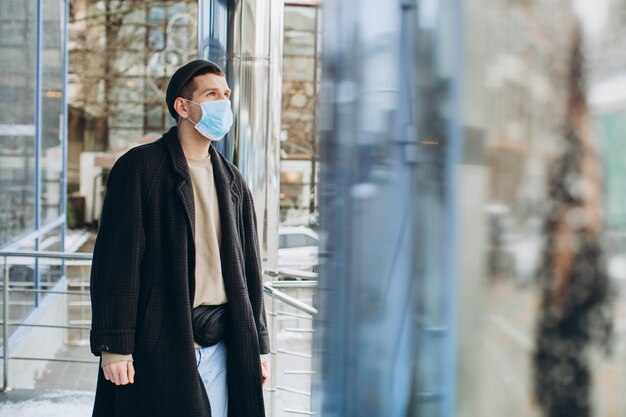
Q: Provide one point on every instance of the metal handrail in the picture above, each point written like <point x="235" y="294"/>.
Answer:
<point x="294" y="284"/>
<point x="272" y="288"/>
<point x="11" y="253"/>
<point x="45" y="254"/>
<point x="36" y="234"/>
<point x="290" y="273"/>
<point x="287" y="299"/>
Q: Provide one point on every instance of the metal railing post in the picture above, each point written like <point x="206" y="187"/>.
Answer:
<point x="274" y="357"/>
<point x="5" y="327"/>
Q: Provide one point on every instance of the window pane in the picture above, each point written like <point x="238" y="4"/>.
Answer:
<point x="119" y="74"/>
<point x="17" y="115"/>
<point x="52" y="80"/>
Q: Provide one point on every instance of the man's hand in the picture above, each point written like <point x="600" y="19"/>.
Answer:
<point x="265" y="370"/>
<point x="120" y="373"/>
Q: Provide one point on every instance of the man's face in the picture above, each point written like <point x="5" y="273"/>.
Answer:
<point x="208" y="87"/>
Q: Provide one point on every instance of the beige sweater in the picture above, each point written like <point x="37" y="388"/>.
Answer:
<point x="209" y="282"/>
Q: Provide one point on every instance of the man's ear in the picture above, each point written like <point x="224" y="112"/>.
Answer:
<point x="180" y="106"/>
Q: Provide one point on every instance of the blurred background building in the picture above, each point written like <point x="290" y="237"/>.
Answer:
<point x="607" y="96"/>
<point x="299" y="149"/>
<point x="402" y="150"/>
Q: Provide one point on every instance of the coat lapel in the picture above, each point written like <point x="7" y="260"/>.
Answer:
<point x="224" y="179"/>
<point x="184" y="187"/>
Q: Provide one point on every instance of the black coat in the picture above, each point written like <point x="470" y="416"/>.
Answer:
<point x="143" y="284"/>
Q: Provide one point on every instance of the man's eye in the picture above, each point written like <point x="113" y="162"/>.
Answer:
<point x="211" y="93"/>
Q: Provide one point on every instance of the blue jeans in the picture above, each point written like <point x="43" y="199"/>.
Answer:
<point x="211" y="361"/>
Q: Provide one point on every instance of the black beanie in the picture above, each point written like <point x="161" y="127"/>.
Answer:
<point x="182" y="76"/>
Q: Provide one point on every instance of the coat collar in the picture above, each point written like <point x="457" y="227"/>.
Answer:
<point x="221" y="167"/>
<point x="177" y="156"/>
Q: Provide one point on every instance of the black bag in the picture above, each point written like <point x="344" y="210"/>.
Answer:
<point x="209" y="324"/>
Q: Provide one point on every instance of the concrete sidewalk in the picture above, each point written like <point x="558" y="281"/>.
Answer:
<point x="45" y="403"/>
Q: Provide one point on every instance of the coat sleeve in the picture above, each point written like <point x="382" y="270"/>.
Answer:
<point x="117" y="257"/>
<point x="254" y="274"/>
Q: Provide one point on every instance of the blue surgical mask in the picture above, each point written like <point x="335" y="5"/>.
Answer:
<point x="216" y="120"/>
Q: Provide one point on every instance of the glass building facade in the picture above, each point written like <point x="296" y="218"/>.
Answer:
<point x="32" y="139"/>
<point x="32" y="45"/>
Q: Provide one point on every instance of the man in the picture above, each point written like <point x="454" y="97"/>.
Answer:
<point x="178" y="232"/>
